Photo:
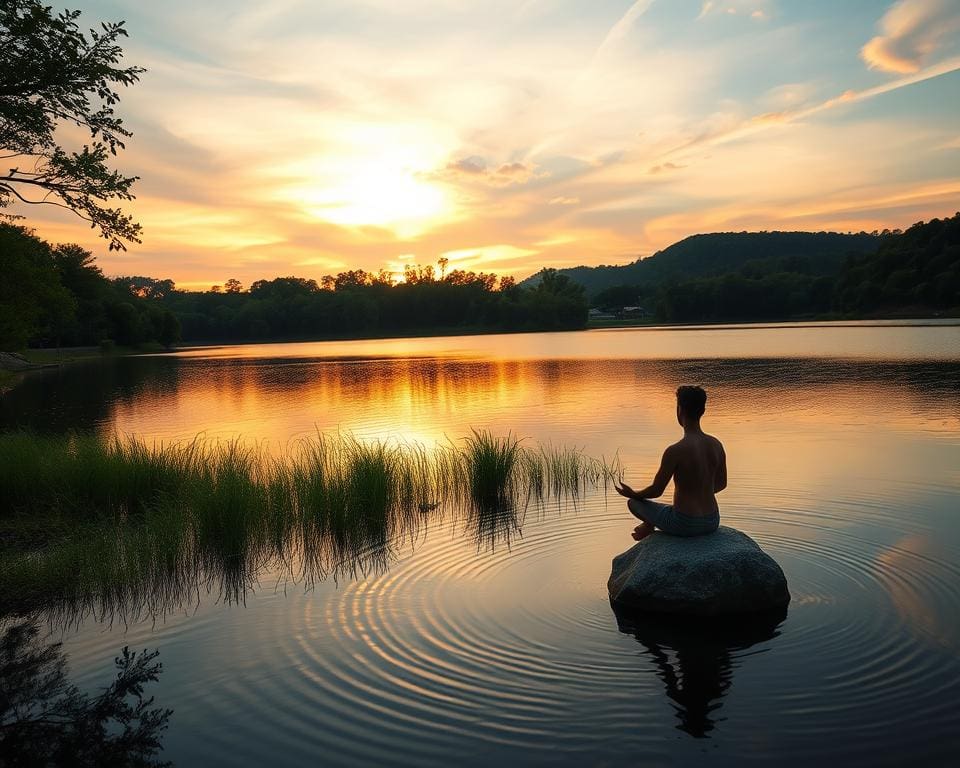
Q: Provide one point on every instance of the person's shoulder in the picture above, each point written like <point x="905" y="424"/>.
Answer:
<point x="715" y="441"/>
<point x="673" y="449"/>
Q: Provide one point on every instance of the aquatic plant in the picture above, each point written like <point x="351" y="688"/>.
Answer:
<point x="491" y="467"/>
<point x="116" y="523"/>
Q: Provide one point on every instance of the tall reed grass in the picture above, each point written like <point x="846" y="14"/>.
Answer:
<point x="127" y="523"/>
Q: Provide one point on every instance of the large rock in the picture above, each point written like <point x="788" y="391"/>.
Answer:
<point x="721" y="573"/>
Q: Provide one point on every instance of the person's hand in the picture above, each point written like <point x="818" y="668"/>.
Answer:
<point x="625" y="490"/>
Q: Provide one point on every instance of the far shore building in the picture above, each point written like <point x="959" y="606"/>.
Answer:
<point x="596" y="314"/>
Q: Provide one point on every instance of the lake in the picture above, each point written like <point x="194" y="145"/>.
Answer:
<point x="476" y="646"/>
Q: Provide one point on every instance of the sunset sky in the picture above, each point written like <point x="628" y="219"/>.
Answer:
<point x="302" y="137"/>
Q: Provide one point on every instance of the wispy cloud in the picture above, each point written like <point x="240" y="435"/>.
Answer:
<point x="622" y="28"/>
<point x="755" y="9"/>
<point x="311" y="137"/>
<point x="739" y="129"/>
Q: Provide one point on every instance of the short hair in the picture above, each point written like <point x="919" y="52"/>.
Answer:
<point x="692" y="400"/>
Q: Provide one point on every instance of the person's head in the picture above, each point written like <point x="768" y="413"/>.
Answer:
<point x="691" y="403"/>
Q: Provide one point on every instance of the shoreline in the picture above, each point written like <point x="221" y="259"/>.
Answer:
<point x="919" y="322"/>
<point x="14" y="365"/>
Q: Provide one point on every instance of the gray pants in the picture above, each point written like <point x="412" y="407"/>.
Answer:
<point x="668" y="520"/>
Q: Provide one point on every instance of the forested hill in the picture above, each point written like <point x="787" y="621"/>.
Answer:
<point x="714" y="254"/>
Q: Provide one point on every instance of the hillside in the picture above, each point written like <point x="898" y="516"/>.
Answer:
<point x="919" y="268"/>
<point x="821" y="253"/>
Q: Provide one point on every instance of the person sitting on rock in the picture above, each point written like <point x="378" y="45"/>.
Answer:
<point x="698" y="466"/>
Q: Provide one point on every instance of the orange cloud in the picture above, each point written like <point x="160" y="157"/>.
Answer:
<point x="910" y="31"/>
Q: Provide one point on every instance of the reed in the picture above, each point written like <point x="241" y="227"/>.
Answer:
<point x="125" y="523"/>
<point x="492" y="469"/>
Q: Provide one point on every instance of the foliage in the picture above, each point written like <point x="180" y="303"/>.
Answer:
<point x="58" y="296"/>
<point x="123" y="526"/>
<point x="913" y="272"/>
<point x="169" y="329"/>
<point x="918" y="268"/>
<point x="710" y="255"/>
<point x="355" y="303"/>
<point x="491" y="464"/>
<point x="46" y="720"/>
<point x="52" y="74"/>
<point x="33" y="301"/>
<point x="618" y="296"/>
<point x="736" y="297"/>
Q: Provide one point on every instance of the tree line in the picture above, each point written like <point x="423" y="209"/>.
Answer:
<point x="911" y="272"/>
<point x="357" y="302"/>
<point x="57" y="295"/>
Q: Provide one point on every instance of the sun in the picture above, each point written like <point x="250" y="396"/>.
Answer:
<point x="374" y="194"/>
<point x="373" y="176"/>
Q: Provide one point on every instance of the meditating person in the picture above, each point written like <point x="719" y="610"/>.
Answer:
<point x="698" y="466"/>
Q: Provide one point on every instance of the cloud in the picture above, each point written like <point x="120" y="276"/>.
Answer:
<point x="755" y="9"/>
<point x="513" y="169"/>
<point x="788" y="96"/>
<point x="427" y="127"/>
<point x="726" y="127"/>
<point x="472" y="166"/>
<point x="665" y="167"/>
<point x="623" y="26"/>
<point x="475" y="168"/>
<point x="911" y="30"/>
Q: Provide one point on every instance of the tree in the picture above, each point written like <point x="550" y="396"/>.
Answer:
<point x="169" y="329"/>
<point x="33" y="301"/>
<point x="145" y="287"/>
<point x="51" y="73"/>
<point x="47" y="720"/>
<point x="233" y="286"/>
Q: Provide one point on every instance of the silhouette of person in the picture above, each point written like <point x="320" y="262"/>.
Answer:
<point x="698" y="466"/>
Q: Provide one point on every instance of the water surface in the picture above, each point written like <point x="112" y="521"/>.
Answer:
<point x="843" y="444"/>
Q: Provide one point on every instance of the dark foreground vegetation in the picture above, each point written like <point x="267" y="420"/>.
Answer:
<point x="789" y="275"/>
<point x="45" y="720"/>
<point x="119" y="527"/>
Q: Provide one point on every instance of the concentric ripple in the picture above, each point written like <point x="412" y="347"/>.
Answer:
<point x="493" y="654"/>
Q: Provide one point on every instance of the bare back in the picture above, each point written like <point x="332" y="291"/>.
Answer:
<point x="700" y="471"/>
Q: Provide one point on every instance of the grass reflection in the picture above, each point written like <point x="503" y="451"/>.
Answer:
<point x="122" y="527"/>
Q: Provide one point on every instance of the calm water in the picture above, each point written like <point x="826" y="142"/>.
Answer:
<point x="843" y="444"/>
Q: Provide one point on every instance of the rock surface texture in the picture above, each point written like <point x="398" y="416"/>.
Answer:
<point x="722" y="573"/>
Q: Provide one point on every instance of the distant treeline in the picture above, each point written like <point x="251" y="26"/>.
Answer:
<point x="358" y="302"/>
<point x="716" y="253"/>
<point x="911" y="272"/>
<point x="57" y="295"/>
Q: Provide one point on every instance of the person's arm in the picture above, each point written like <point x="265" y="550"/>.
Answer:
<point x="720" y="478"/>
<point x="668" y="465"/>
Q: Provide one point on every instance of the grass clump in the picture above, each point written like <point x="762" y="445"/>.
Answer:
<point x="126" y="523"/>
<point x="491" y="467"/>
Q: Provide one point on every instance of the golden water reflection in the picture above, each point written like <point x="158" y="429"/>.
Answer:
<point x="605" y="407"/>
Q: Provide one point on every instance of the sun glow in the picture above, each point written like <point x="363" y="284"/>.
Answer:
<point x="373" y="176"/>
<point x="380" y="197"/>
